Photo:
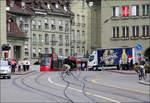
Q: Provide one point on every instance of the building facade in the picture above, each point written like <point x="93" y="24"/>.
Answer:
<point x="3" y="37"/>
<point x="121" y="23"/>
<point x="79" y="28"/>
<point x="44" y="25"/>
<point x="50" y="28"/>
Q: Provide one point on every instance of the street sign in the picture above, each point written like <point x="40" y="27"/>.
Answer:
<point x="139" y="47"/>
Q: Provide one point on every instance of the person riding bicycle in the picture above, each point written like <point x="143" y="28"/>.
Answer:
<point x="141" y="65"/>
<point x="68" y="65"/>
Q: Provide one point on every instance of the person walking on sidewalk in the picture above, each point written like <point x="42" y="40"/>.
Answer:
<point x="19" y="66"/>
<point x="13" y="65"/>
<point x="27" y="64"/>
<point x="24" y="64"/>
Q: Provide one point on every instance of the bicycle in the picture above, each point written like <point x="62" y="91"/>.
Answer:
<point x="141" y="73"/>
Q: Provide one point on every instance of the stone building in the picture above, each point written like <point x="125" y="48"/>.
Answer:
<point x="20" y="46"/>
<point x="50" y="27"/>
<point x="120" y="23"/>
<point x="45" y="25"/>
<point x="79" y="28"/>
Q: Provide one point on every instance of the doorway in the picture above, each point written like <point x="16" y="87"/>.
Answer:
<point x="17" y="52"/>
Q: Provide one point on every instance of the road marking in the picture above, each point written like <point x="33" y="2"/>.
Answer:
<point x="114" y="86"/>
<point x="95" y="95"/>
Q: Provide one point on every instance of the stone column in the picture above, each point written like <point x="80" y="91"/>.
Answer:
<point x="3" y="35"/>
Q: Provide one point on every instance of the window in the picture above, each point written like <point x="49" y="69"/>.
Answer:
<point x="40" y="38"/>
<point x="83" y="19"/>
<point x="12" y="3"/>
<point x="33" y="24"/>
<point x="56" y="5"/>
<point x="78" y="35"/>
<point x="39" y="25"/>
<point x="78" y="49"/>
<point x="53" y="39"/>
<point x="34" y="52"/>
<point x="125" y="31"/>
<point x="60" y="40"/>
<point x="60" y="52"/>
<point x="46" y="39"/>
<point x="60" y="25"/>
<point x="23" y="4"/>
<point x="115" y="12"/>
<point x="46" y="50"/>
<point x="146" y="9"/>
<point x="46" y="24"/>
<point x="48" y="6"/>
<point x="83" y="50"/>
<point x="135" y="31"/>
<point x="72" y="35"/>
<point x="53" y="24"/>
<point x="65" y="8"/>
<point x="135" y="10"/>
<point x="34" y="38"/>
<point x="125" y="11"/>
<point x="67" y="40"/>
<point x="78" y="19"/>
<point x="72" y="52"/>
<point x="66" y="25"/>
<point x="83" y="37"/>
<point x="116" y="32"/>
<point x="66" y="52"/>
<point x="145" y="30"/>
<point x="8" y="28"/>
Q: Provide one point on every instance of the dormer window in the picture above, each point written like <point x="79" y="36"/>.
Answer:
<point x="56" y="5"/>
<point x="65" y="8"/>
<point x="23" y="4"/>
<point x="48" y="6"/>
<point x="11" y="3"/>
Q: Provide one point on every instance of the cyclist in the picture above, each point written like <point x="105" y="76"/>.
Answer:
<point x="68" y="65"/>
<point x="142" y="64"/>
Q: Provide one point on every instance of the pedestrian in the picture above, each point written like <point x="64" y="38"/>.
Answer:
<point x="19" y="65"/>
<point x="83" y="66"/>
<point x="27" y="64"/>
<point x="120" y="64"/>
<point x="13" y="65"/>
<point x="131" y="64"/>
<point x="24" y="64"/>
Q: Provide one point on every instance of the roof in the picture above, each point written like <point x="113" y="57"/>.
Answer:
<point x="14" y="29"/>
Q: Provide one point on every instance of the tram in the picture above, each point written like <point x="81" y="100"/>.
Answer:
<point x="50" y="62"/>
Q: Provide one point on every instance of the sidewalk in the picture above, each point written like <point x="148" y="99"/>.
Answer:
<point x="32" y="68"/>
<point x="123" y="71"/>
<point x="145" y="82"/>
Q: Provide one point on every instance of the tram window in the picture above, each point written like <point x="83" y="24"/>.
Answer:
<point x="46" y="61"/>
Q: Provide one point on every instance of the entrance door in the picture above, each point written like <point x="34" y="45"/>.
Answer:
<point x="17" y="52"/>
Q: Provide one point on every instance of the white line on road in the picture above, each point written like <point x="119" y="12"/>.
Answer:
<point x="95" y="95"/>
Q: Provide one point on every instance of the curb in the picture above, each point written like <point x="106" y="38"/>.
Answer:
<point x="23" y="73"/>
<point x="121" y="72"/>
<point x="145" y="83"/>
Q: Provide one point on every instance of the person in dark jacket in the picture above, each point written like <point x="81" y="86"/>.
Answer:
<point x="68" y="65"/>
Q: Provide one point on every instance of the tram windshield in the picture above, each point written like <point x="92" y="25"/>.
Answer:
<point x="45" y="61"/>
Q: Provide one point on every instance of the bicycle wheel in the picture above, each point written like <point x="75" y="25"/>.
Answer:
<point x="140" y="76"/>
<point x="144" y="76"/>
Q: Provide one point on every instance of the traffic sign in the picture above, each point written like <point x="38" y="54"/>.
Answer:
<point x="139" y="47"/>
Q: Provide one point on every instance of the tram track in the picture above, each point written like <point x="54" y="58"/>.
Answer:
<point x="84" y="80"/>
<point x="27" y="87"/>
